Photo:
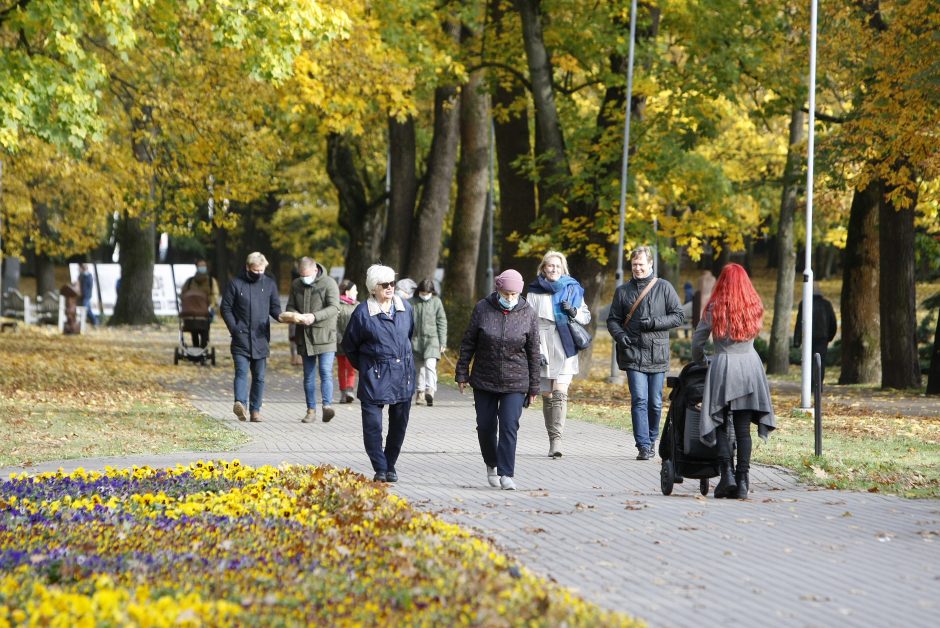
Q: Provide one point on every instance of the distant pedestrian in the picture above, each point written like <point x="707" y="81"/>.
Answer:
<point x="502" y="341"/>
<point x="206" y="285"/>
<point x="429" y="340"/>
<point x="249" y="302"/>
<point x="86" y="285"/>
<point x="736" y="390"/>
<point x="824" y="327"/>
<point x="642" y="312"/>
<point x="405" y="288"/>
<point x="315" y="296"/>
<point x="345" y="371"/>
<point x="703" y="292"/>
<point x="557" y="299"/>
<point x="378" y="344"/>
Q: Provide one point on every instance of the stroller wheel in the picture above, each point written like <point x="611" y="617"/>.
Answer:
<point x="212" y="356"/>
<point x="703" y="486"/>
<point x="667" y="477"/>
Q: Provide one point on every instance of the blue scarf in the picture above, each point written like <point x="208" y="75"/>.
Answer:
<point x="567" y="289"/>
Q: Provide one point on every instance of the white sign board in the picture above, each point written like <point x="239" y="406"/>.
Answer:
<point x="165" y="279"/>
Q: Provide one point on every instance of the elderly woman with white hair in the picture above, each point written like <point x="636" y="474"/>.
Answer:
<point x="249" y="303"/>
<point x="377" y="343"/>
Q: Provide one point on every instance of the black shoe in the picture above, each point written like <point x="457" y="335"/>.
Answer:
<point x="429" y="399"/>
<point x="644" y="454"/>
<point x="742" y="482"/>
<point x="391" y="476"/>
<point x="380" y="477"/>
<point x="726" y="485"/>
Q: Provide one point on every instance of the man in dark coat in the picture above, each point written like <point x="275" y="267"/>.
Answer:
<point x="249" y="302"/>
<point x="824" y="327"/>
<point x="86" y="285"/>
<point x="642" y="344"/>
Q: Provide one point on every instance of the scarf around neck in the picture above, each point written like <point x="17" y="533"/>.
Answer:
<point x="566" y="288"/>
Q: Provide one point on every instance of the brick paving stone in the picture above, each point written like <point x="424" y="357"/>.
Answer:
<point x="595" y="520"/>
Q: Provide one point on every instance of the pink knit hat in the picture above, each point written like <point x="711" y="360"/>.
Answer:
<point x="509" y="281"/>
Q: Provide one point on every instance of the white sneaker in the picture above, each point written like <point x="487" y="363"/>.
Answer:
<point x="419" y="398"/>
<point x="506" y="483"/>
<point x="492" y="477"/>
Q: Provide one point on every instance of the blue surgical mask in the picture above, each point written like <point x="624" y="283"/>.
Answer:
<point x="308" y="280"/>
<point x="506" y="305"/>
<point x="202" y="270"/>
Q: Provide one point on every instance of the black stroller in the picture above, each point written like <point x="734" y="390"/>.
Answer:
<point x="194" y="319"/>
<point x="683" y="454"/>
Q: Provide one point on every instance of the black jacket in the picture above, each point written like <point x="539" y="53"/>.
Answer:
<point x="246" y="309"/>
<point x="824" y="322"/>
<point x="661" y="310"/>
<point x="504" y="347"/>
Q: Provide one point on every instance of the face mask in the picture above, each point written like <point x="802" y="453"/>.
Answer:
<point x="202" y="270"/>
<point x="253" y="276"/>
<point x="506" y="305"/>
<point x="308" y="280"/>
<point x="424" y="297"/>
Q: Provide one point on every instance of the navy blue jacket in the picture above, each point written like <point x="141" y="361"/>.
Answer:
<point x="246" y="309"/>
<point x="379" y="347"/>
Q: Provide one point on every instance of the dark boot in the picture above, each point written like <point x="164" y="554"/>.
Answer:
<point x="726" y="485"/>
<point x="741" y="480"/>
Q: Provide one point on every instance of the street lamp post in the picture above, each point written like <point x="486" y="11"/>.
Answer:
<point x="806" y="400"/>
<point x="616" y="377"/>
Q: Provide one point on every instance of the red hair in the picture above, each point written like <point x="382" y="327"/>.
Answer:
<point x="737" y="311"/>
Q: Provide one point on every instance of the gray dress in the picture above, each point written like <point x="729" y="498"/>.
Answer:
<point x="735" y="380"/>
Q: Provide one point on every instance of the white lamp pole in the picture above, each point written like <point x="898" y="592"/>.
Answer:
<point x="806" y="398"/>
<point x="616" y="377"/>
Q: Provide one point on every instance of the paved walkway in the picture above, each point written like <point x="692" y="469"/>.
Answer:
<point x="596" y="521"/>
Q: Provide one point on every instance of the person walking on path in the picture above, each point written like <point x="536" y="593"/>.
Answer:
<point x="206" y="285"/>
<point x="345" y="370"/>
<point x="824" y="327"/>
<point x="86" y="286"/>
<point x="430" y="338"/>
<point x="557" y="298"/>
<point x="378" y="344"/>
<point x="249" y="302"/>
<point x="643" y="311"/>
<point x="315" y="296"/>
<point x="736" y="389"/>
<point x="502" y="340"/>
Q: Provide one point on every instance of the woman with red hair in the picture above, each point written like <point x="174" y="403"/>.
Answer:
<point x="736" y="389"/>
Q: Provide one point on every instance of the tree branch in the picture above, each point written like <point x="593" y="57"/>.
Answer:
<point x="825" y="117"/>
<point x="502" y="66"/>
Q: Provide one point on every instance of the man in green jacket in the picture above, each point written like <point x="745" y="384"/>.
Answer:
<point x="314" y="298"/>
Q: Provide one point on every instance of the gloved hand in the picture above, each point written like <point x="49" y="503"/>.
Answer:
<point x="646" y="324"/>
<point x="571" y="312"/>
<point x="624" y="341"/>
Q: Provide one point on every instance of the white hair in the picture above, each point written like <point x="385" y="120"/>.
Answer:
<point x="256" y="259"/>
<point x="377" y="274"/>
<point x="306" y="263"/>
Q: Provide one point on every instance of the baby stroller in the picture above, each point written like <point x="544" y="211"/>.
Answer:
<point x="194" y="319"/>
<point x="683" y="454"/>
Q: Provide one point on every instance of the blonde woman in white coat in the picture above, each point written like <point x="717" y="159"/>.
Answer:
<point x="557" y="298"/>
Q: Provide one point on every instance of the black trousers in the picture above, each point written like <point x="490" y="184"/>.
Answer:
<point x="383" y="460"/>
<point x="741" y="420"/>
<point x="497" y="425"/>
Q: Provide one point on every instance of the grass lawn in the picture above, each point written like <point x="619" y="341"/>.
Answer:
<point x="101" y="394"/>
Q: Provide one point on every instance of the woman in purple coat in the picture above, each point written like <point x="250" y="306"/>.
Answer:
<point x="502" y="340"/>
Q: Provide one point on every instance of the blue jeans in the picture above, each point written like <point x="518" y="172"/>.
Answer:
<point x="90" y="315"/>
<point x="646" y="404"/>
<point x="257" y="367"/>
<point x="384" y="460"/>
<point x="497" y="425"/>
<point x="323" y="365"/>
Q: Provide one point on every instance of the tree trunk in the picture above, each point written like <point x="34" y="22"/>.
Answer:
<point x="897" y="296"/>
<point x="45" y="268"/>
<point x="861" y="321"/>
<point x="137" y="236"/>
<point x="403" y="192"/>
<point x="778" y="361"/>
<point x="138" y="239"/>
<point x="363" y="220"/>
<point x="472" y="184"/>
<point x="435" y="197"/>
<point x="554" y="171"/>
<point x="517" y="203"/>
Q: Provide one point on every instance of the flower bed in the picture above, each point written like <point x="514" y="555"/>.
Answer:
<point x="220" y="543"/>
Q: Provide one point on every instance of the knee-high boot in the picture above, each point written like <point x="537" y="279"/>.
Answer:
<point x="742" y="482"/>
<point x="559" y="414"/>
<point x="548" y="413"/>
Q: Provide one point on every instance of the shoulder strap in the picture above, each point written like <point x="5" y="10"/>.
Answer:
<point x="639" y="299"/>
